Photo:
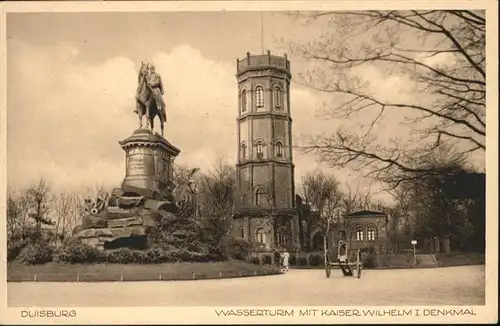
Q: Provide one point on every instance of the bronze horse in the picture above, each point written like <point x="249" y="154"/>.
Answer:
<point x="145" y="103"/>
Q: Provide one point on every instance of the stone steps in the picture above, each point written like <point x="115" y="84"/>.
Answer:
<point x="426" y="260"/>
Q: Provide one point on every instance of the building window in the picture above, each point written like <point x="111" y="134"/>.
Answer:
<point x="281" y="237"/>
<point x="359" y="234"/>
<point x="259" y="96"/>
<point x="243" y="151"/>
<point x="260" y="197"/>
<point x="277" y="97"/>
<point x="370" y="233"/>
<point x="242" y="233"/>
<point x="260" y="148"/>
<point x="243" y="100"/>
<point x="244" y="199"/>
<point x="261" y="236"/>
<point x="279" y="149"/>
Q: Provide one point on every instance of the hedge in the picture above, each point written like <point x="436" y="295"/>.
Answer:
<point x="33" y="254"/>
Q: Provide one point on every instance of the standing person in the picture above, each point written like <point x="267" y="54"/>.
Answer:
<point x="285" y="256"/>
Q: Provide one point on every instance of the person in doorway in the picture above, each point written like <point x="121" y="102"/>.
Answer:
<point x="285" y="257"/>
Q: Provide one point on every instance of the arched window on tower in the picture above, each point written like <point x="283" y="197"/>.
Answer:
<point x="259" y="97"/>
<point x="278" y="96"/>
<point x="259" y="145"/>
<point x="243" y="100"/>
<point x="260" y="197"/>
<point x="370" y="233"/>
<point x="278" y="147"/>
<point x="359" y="234"/>
<point x="242" y="233"/>
<point x="243" y="149"/>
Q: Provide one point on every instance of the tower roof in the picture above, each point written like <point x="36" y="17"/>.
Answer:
<point x="264" y="61"/>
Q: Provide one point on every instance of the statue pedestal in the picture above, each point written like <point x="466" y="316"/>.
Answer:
<point x="149" y="164"/>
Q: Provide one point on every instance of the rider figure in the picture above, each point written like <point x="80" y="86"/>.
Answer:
<point x="156" y="85"/>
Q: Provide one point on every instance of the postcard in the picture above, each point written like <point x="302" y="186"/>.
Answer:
<point x="249" y="162"/>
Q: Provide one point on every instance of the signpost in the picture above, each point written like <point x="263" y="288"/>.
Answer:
<point x="414" y="243"/>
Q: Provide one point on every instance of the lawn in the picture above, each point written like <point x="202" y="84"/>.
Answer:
<point x="134" y="272"/>
<point x="460" y="259"/>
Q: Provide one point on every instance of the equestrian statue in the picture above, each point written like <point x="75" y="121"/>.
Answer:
<point x="149" y="97"/>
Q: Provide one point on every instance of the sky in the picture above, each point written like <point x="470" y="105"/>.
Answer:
<point x="72" y="80"/>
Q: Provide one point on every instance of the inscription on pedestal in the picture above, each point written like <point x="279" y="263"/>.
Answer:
<point x="136" y="165"/>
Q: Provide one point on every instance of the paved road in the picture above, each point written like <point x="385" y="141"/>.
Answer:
<point x="463" y="285"/>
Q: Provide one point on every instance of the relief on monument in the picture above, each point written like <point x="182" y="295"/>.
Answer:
<point x="162" y="171"/>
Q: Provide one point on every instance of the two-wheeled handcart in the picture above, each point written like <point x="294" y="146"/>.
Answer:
<point x="348" y="260"/>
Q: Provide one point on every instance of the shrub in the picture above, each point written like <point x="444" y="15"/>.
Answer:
<point x="255" y="260"/>
<point x="369" y="260"/>
<point x="172" y="255"/>
<point x="277" y="257"/>
<point x="156" y="255"/>
<point x="127" y="256"/>
<point x="316" y="260"/>
<point x="198" y="246"/>
<point x="238" y="248"/>
<point x="33" y="254"/>
<point x="77" y="253"/>
<point x="14" y="248"/>
<point x="302" y="261"/>
<point x="267" y="259"/>
<point x="200" y="257"/>
<point x="293" y="260"/>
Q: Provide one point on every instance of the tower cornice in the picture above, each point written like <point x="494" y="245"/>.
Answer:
<point x="268" y="69"/>
<point x="265" y="114"/>
<point x="257" y="162"/>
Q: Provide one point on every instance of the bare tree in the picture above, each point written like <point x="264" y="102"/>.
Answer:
<point x="66" y="212"/>
<point x="439" y="53"/>
<point x="217" y="195"/>
<point x="437" y="205"/>
<point x="17" y="211"/>
<point x="39" y="202"/>
<point x="217" y="189"/>
<point x="322" y="193"/>
<point x="354" y="198"/>
<point x="401" y="196"/>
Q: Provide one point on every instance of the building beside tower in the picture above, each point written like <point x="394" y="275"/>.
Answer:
<point x="265" y="207"/>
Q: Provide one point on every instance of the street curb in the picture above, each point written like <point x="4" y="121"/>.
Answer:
<point x="389" y="268"/>
<point x="191" y="277"/>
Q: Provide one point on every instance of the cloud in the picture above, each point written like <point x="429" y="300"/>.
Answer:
<point x="65" y="117"/>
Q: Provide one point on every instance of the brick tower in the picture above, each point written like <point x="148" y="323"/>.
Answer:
<point x="265" y="205"/>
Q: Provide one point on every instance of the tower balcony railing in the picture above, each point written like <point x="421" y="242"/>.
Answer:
<point x="262" y="61"/>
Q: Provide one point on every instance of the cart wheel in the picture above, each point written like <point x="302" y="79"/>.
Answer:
<point x="328" y="270"/>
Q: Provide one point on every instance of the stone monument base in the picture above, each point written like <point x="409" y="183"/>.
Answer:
<point x="144" y="198"/>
